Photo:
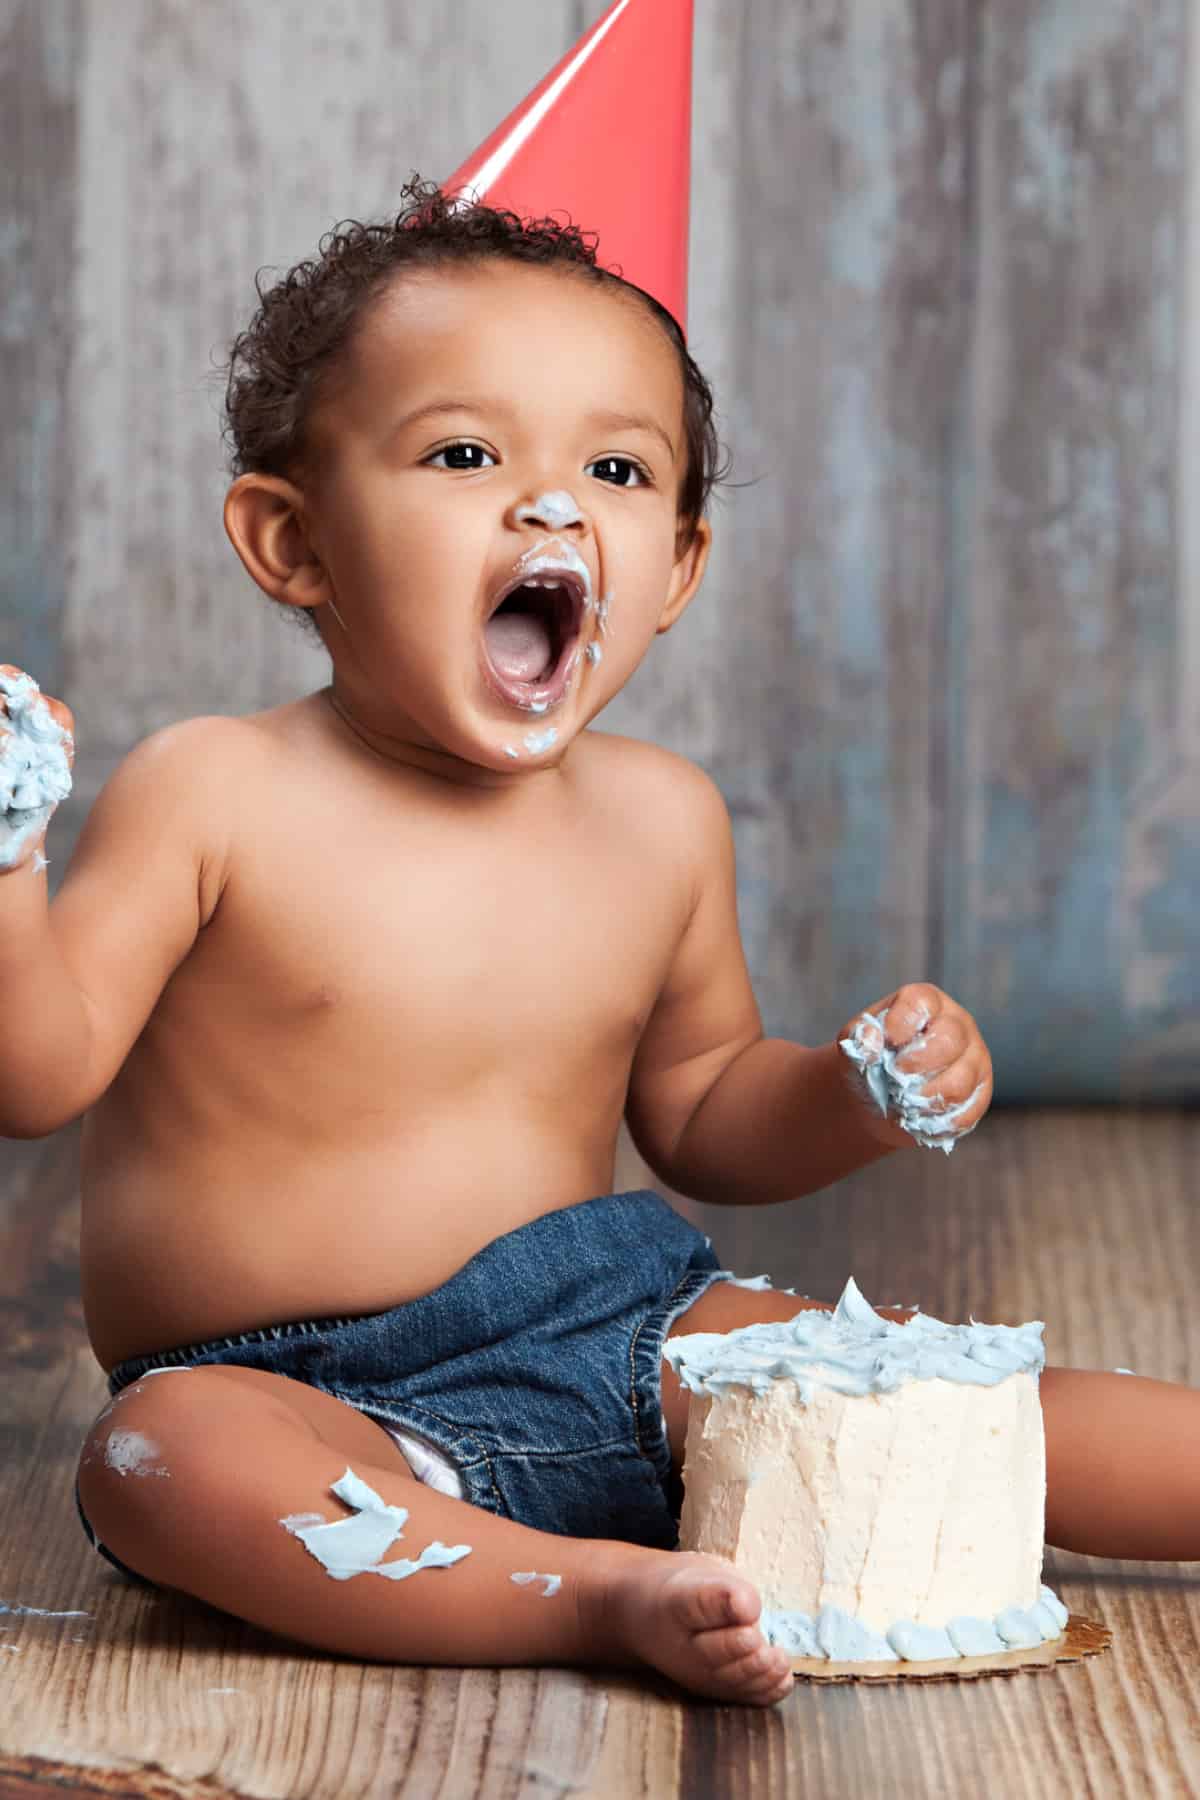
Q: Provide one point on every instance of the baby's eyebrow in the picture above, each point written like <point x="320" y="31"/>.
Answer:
<point x="615" y="421"/>
<point x="466" y="404"/>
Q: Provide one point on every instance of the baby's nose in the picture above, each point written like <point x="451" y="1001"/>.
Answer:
<point x="554" y="511"/>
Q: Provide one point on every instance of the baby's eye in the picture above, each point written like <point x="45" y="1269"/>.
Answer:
<point x="454" y="450"/>
<point x="618" y="463"/>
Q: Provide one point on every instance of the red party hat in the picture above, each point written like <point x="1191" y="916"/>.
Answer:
<point x="606" y="138"/>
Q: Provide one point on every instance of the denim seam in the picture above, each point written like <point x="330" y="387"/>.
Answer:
<point x="563" y="1456"/>
<point x="184" y="1355"/>
<point x="413" y="1415"/>
<point x="695" y="1283"/>
<point x="463" y="1444"/>
<point x="476" y="1453"/>
<point x="633" y="1354"/>
<point x="497" y="1496"/>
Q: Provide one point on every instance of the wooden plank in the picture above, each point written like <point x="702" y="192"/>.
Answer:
<point x="1068" y="628"/>
<point x="1161" y="866"/>
<point x="38" y="107"/>
<point x="639" y="1756"/>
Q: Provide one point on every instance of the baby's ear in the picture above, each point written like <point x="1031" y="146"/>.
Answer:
<point x="264" y="522"/>
<point x="687" y="575"/>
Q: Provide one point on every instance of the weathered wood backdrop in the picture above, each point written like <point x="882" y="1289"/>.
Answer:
<point x="944" y="275"/>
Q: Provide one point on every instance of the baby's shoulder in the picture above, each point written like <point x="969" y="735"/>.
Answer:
<point x="204" y="772"/>
<point x="676" y="800"/>
<point x="188" y="758"/>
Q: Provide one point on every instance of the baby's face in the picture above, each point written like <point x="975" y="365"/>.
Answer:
<point x="488" y="424"/>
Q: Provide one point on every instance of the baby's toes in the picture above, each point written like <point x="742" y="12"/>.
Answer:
<point x="707" y="1598"/>
<point x="775" y="1693"/>
<point x="771" y="1687"/>
<point x="741" y="1662"/>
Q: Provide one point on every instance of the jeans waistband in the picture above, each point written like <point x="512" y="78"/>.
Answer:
<point x="535" y="1270"/>
<point x="134" y="1367"/>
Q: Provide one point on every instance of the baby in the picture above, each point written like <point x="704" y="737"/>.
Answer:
<point x="354" y="993"/>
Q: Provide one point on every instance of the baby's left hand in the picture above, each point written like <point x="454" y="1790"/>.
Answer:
<point x="925" y="1064"/>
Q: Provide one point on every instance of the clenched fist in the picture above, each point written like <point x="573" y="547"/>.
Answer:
<point x="37" y="748"/>
<point x="925" y="1066"/>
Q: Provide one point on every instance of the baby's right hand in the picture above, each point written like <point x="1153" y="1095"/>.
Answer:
<point x="37" y="750"/>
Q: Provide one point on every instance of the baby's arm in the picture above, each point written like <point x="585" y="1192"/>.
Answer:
<point x="81" y="978"/>
<point x="723" y="1114"/>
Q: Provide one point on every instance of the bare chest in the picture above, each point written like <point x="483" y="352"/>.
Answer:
<point x="521" y="956"/>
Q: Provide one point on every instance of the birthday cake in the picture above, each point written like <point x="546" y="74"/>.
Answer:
<point x="882" y="1484"/>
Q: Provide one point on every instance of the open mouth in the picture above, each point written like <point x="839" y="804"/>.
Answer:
<point x="531" y="638"/>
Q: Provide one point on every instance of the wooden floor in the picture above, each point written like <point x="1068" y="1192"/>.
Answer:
<point x="1086" y="1219"/>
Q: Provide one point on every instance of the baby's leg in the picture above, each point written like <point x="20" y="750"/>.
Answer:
<point x="188" y="1481"/>
<point x="1122" y="1465"/>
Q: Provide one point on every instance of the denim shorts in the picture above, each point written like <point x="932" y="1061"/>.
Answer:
<point x="535" y="1370"/>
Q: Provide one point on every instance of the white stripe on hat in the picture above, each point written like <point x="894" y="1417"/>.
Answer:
<point x="500" y="158"/>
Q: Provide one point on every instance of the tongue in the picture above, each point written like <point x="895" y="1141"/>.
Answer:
<point x="518" y="644"/>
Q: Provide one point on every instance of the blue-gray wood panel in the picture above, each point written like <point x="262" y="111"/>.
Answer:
<point x="1071" y="879"/>
<point x="39" y="85"/>
<point x="945" y="664"/>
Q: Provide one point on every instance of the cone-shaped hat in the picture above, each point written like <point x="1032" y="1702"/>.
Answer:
<point x="606" y="138"/>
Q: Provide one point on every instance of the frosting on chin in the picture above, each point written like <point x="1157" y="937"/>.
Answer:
<point x="853" y="1350"/>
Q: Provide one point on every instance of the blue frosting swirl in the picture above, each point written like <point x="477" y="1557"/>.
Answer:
<point x="854" y="1350"/>
<point x="839" y="1637"/>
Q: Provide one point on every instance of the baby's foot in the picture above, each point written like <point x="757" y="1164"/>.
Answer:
<point x="693" y="1617"/>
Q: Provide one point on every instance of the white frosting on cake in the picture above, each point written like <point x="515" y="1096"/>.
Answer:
<point x="883" y="1485"/>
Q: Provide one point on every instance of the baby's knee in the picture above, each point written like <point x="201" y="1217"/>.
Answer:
<point x="135" y="1453"/>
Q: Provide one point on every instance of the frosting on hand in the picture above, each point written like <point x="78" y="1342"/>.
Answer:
<point x="35" y="773"/>
<point x="895" y="1091"/>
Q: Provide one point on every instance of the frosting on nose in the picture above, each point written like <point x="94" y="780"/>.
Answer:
<point x="555" y="509"/>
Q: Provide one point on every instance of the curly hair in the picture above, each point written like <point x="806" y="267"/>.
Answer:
<point x="307" y="318"/>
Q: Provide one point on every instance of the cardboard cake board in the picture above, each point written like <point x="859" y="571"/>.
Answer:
<point x="1082" y="1637"/>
